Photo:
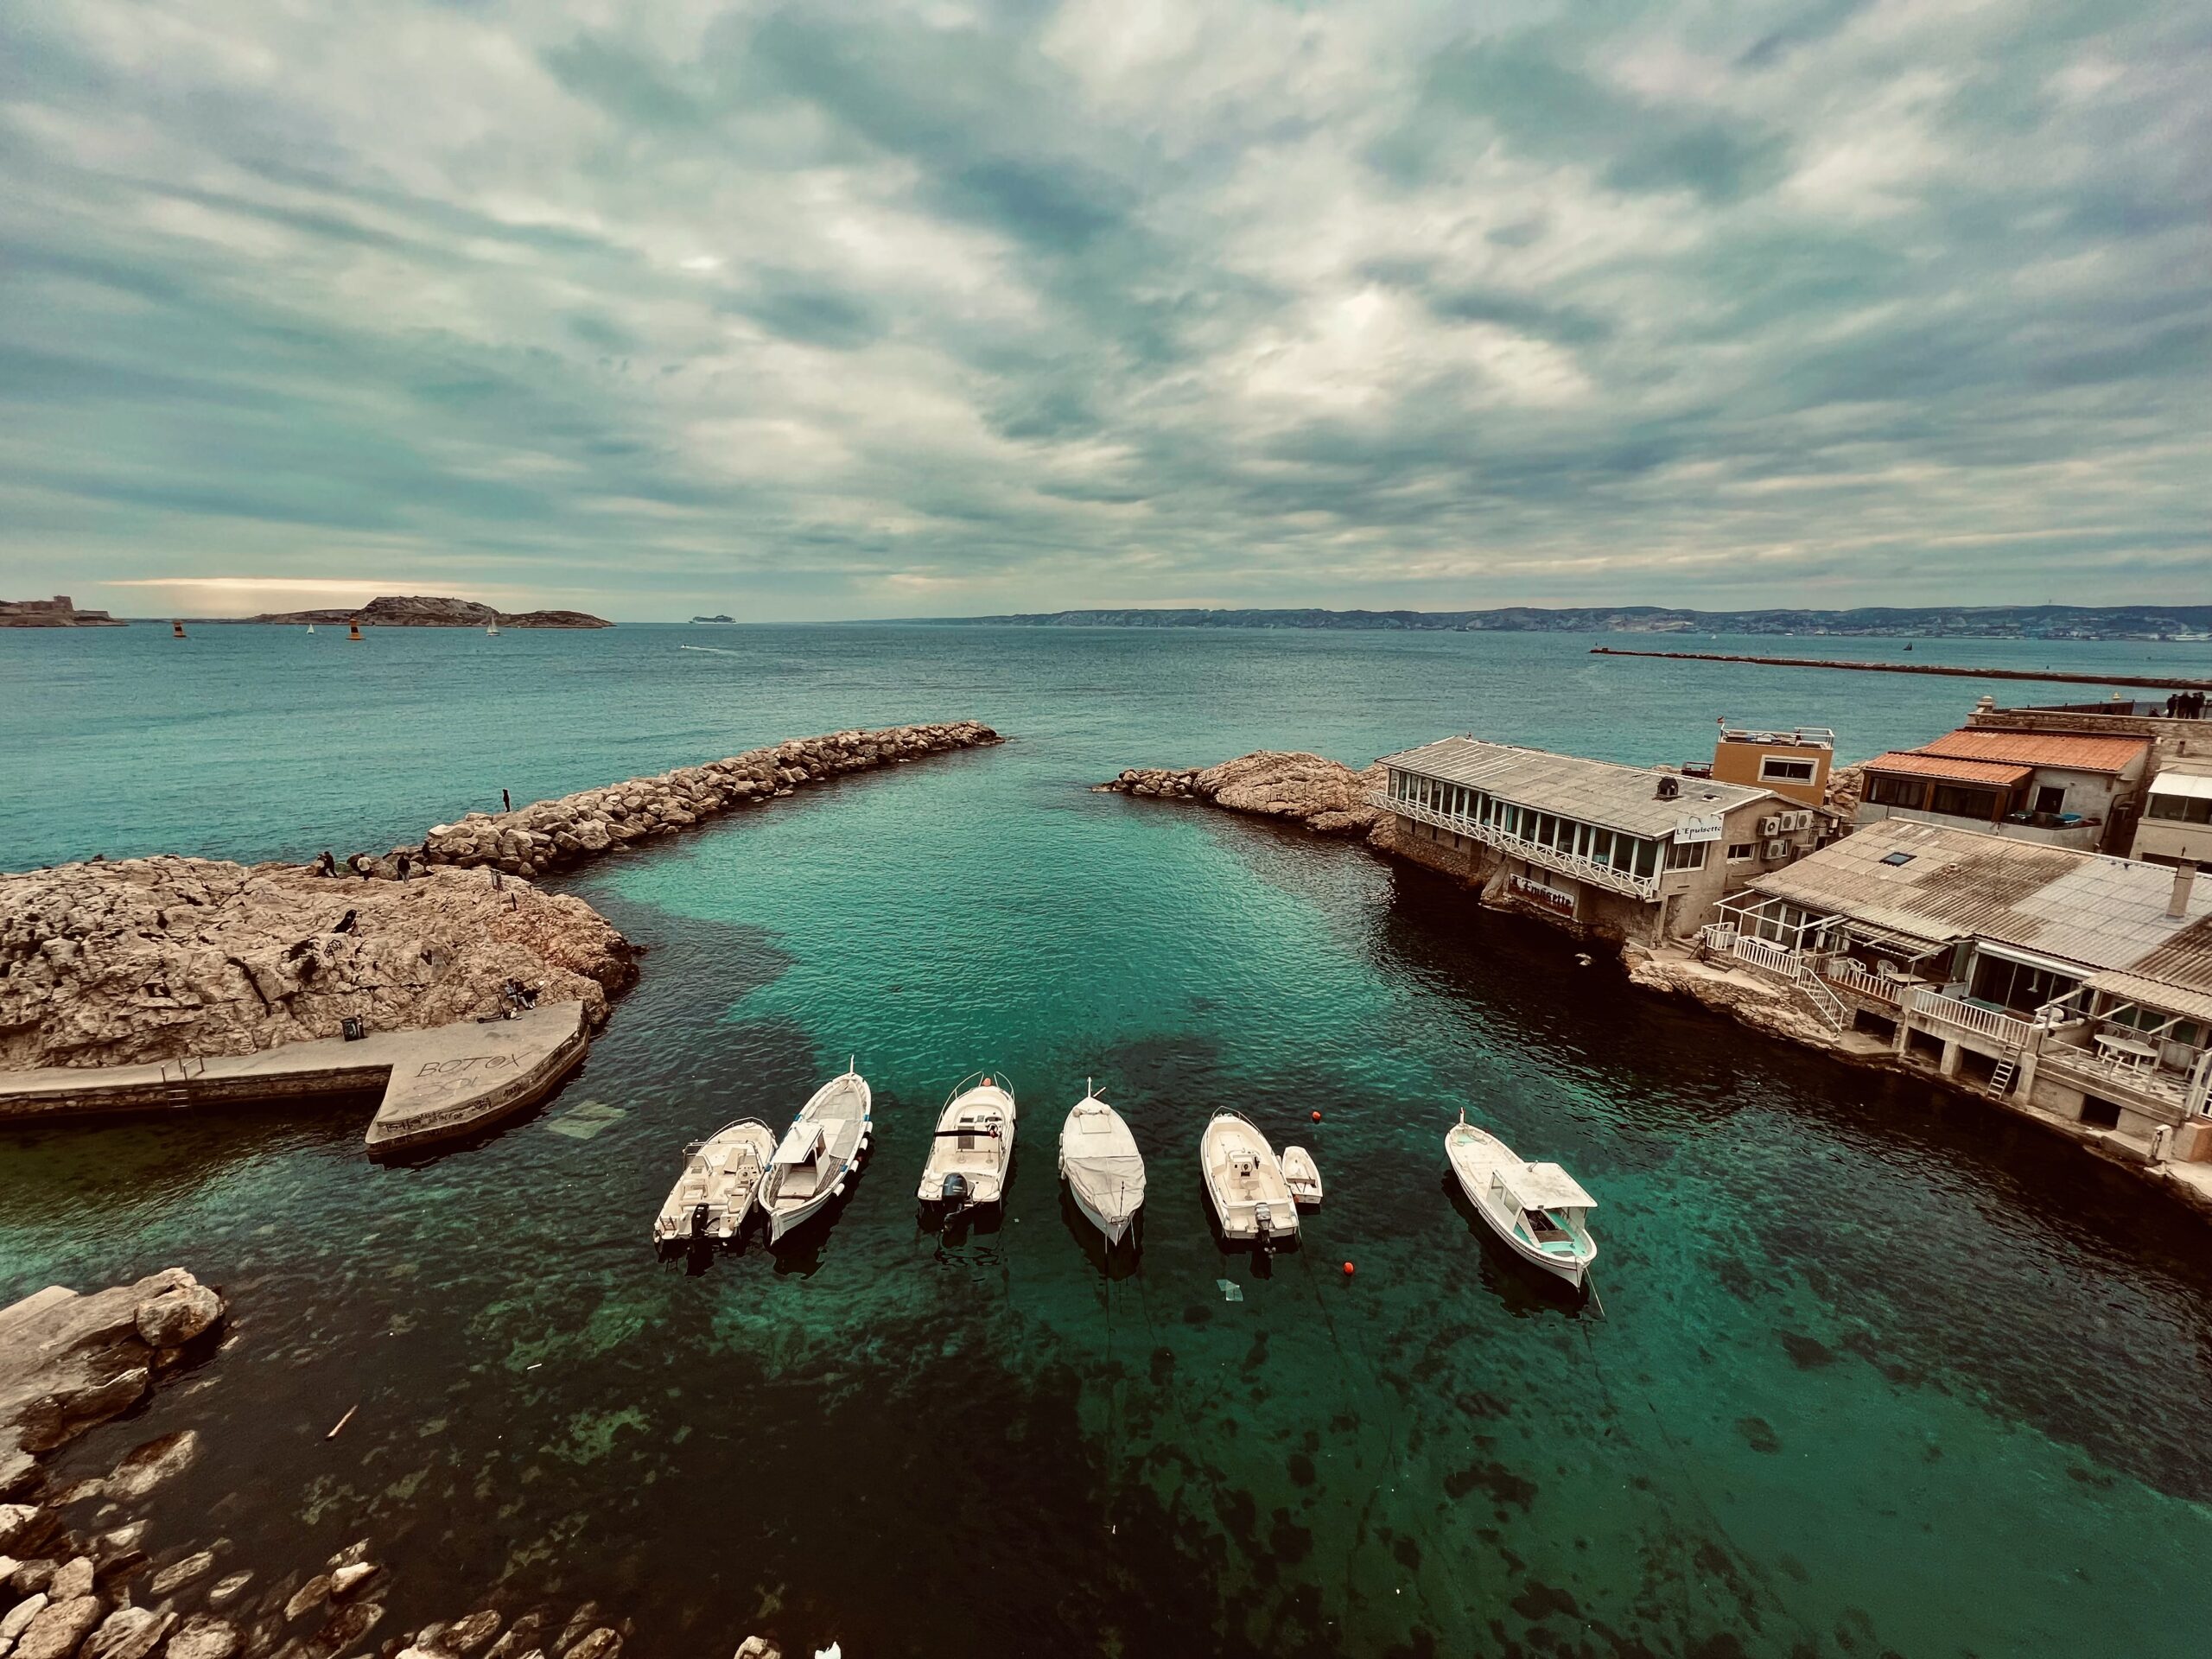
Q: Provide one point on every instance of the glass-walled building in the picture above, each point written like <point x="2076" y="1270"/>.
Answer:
<point x="1629" y="851"/>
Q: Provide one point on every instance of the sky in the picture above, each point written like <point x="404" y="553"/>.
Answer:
<point x="821" y="310"/>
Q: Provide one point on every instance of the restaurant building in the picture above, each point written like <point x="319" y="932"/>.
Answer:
<point x="1632" y="853"/>
<point x="2058" y="789"/>
<point x="2078" y="984"/>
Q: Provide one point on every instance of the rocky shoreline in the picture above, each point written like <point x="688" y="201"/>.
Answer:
<point x="86" y="1572"/>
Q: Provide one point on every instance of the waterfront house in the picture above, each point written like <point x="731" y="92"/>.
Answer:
<point x="2079" y="984"/>
<point x="2176" y="823"/>
<point x="1629" y="852"/>
<point x="2058" y="789"/>
<point x="1795" y="764"/>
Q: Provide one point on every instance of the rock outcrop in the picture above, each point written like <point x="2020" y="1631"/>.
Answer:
<point x="559" y="834"/>
<point x="60" y="612"/>
<point x="1760" y="1003"/>
<point x="68" y="1362"/>
<point x="153" y="959"/>
<point x="1325" y="796"/>
<point x="423" y="611"/>
<point x="1845" y="784"/>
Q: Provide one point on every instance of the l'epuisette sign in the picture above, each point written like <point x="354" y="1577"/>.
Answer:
<point x="1689" y="831"/>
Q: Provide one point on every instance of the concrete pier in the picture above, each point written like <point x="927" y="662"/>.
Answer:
<point x="438" y="1084"/>
<point x="2061" y="676"/>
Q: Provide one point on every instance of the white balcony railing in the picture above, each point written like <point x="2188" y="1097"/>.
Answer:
<point x="1645" y="887"/>
<point x="1963" y="1015"/>
<point x="1849" y="975"/>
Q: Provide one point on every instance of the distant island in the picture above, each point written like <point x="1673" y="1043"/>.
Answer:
<point x="418" y="611"/>
<point x="713" y="619"/>
<point x="2192" y="622"/>
<point x="60" y="612"/>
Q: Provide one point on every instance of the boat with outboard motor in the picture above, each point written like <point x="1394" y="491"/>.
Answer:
<point x="1250" y="1198"/>
<point x="1102" y="1166"/>
<point x="714" y="1196"/>
<point x="819" y="1153"/>
<point x="1536" y="1210"/>
<point x="973" y="1150"/>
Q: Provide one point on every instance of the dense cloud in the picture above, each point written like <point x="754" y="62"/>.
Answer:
<point x="817" y="310"/>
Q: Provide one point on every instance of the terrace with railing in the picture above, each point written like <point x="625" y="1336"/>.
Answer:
<point x="1625" y="882"/>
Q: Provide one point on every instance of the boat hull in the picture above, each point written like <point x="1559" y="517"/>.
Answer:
<point x="1571" y="1270"/>
<point x="1115" y="1228"/>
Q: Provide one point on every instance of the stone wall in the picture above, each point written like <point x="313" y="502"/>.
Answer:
<point x="556" y="834"/>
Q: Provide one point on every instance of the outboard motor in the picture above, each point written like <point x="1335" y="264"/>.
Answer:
<point x="956" y="1188"/>
<point x="698" y="1221"/>
<point x="1264" y="1219"/>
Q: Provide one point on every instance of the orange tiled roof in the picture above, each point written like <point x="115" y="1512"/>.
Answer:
<point x="2041" y="749"/>
<point x="1921" y="765"/>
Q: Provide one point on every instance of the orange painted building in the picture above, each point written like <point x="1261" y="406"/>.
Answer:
<point x="1793" y="763"/>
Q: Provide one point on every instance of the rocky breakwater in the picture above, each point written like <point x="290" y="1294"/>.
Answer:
<point x="150" y="960"/>
<point x="548" y="836"/>
<point x="1325" y="796"/>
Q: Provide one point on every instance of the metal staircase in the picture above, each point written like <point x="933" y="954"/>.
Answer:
<point x="1826" y="1002"/>
<point x="2000" y="1080"/>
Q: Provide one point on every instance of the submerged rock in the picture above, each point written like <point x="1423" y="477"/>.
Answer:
<point x="158" y="1460"/>
<point x="127" y="1633"/>
<point x="177" y="1574"/>
<point x="204" y="1636"/>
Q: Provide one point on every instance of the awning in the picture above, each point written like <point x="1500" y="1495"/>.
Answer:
<point x="1546" y="1186"/>
<point x="2153" y="994"/>
<point x="800" y="1143"/>
<point x="2182" y="783"/>
<point x="1945" y="769"/>
<point x="2013" y="953"/>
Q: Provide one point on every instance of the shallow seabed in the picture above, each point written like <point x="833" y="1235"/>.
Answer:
<point x="1876" y="1369"/>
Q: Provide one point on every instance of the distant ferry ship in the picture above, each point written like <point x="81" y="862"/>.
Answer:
<point x="713" y="619"/>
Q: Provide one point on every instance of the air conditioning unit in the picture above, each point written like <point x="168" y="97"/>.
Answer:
<point x="1771" y="826"/>
<point x="1792" y="822"/>
<point x="1777" y="849"/>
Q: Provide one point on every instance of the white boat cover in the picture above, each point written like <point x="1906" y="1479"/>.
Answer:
<point x="1546" y="1186"/>
<point x="800" y="1143"/>
<point x="1101" y="1155"/>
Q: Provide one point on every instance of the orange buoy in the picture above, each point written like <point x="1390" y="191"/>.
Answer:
<point x="1347" y="1269"/>
<point x="1317" y="1118"/>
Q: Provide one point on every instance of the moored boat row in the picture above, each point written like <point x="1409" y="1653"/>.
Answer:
<point x="1538" y="1210"/>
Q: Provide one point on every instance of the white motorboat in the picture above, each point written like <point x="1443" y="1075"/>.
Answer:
<point x="1250" y="1195"/>
<point x="973" y="1150"/>
<point x="1536" y="1209"/>
<point x="721" y="1177"/>
<point x="1100" y="1162"/>
<point x="1301" y="1175"/>
<point x="818" y="1153"/>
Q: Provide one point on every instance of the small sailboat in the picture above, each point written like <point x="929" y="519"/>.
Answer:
<point x="1100" y="1162"/>
<point x="310" y="627"/>
<point x="973" y="1150"/>
<point x="1301" y="1175"/>
<point x="721" y="1177"/>
<point x="1537" y="1210"/>
<point x="492" y="628"/>
<point x="824" y="1145"/>
<point x="1250" y="1195"/>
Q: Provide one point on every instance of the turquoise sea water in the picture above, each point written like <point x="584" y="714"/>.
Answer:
<point x="1877" y="1371"/>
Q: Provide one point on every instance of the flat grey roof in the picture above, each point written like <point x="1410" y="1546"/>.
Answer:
<point x="2088" y="908"/>
<point x="1596" y="791"/>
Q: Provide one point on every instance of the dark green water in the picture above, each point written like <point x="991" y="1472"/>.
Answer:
<point x="1881" y="1372"/>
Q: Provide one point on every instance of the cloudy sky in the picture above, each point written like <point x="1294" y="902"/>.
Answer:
<point x="820" y="310"/>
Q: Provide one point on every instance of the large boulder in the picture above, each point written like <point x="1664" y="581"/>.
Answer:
<point x="175" y="1317"/>
<point x="1324" y="795"/>
<point x="60" y="1626"/>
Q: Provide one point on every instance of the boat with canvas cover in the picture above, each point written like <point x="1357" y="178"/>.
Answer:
<point x="973" y="1149"/>
<point x="1537" y="1210"/>
<point x="1301" y="1175"/>
<point x="721" y="1177"/>
<point x="1250" y="1195"/>
<point x="1100" y="1162"/>
<point x="818" y="1153"/>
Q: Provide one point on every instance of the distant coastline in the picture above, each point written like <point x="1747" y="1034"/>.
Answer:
<point x="417" y="612"/>
<point x="2187" y="622"/>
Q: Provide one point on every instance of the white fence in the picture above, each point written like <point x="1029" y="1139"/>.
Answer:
<point x="1645" y="887"/>
<point x="1968" y="1016"/>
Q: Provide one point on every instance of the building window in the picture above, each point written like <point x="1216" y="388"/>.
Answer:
<point x="2051" y="797"/>
<point x="1898" y="858"/>
<point x="1742" y="852"/>
<point x="1962" y="803"/>
<point x="1687" y="855"/>
<point x="1775" y="769"/>
<point x="1887" y="789"/>
<point x="2181" y="808"/>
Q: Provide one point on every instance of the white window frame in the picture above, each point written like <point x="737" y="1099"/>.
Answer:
<point x="1768" y="775"/>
